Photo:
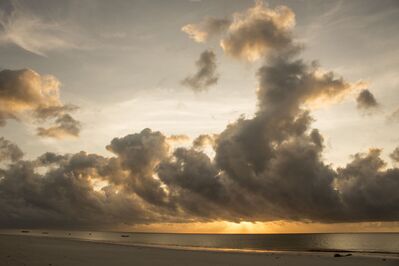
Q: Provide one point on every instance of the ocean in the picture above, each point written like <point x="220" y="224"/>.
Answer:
<point x="323" y="242"/>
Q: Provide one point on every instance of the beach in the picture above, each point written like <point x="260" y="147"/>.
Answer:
<point x="32" y="250"/>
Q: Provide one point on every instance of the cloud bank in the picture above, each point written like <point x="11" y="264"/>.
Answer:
<point x="265" y="168"/>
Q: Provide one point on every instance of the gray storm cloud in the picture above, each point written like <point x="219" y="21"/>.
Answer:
<point x="205" y="75"/>
<point x="26" y="95"/>
<point x="269" y="167"/>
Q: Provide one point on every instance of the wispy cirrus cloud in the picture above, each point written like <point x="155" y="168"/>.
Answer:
<point x="21" y="27"/>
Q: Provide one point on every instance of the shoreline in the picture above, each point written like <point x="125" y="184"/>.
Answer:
<point x="378" y="254"/>
<point x="44" y="250"/>
<point x="324" y="252"/>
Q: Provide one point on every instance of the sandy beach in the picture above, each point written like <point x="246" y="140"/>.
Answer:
<point x="28" y="250"/>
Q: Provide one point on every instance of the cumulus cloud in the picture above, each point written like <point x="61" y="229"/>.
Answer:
<point x="368" y="190"/>
<point x="268" y="167"/>
<point x="258" y="31"/>
<point x="206" y="72"/>
<point x="64" y="196"/>
<point x="27" y="95"/>
<point x="252" y="34"/>
<point x="366" y="101"/>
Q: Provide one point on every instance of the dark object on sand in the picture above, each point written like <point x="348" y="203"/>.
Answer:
<point x="45" y="233"/>
<point x="124" y="235"/>
<point x="69" y="234"/>
<point x="25" y="231"/>
<point x="336" y="255"/>
<point x="89" y="234"/>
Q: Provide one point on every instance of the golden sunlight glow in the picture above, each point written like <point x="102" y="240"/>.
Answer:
<point x="276" y="227"/>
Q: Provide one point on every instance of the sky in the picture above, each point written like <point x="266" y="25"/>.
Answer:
<point x="205" y="116"/>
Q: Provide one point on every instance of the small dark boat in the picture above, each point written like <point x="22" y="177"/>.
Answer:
<point x="45" y="233"/>
<point x="25" y="231"/>
<point x="125" y="236"/>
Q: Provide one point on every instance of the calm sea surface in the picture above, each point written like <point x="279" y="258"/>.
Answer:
<point x="362" y="242"/>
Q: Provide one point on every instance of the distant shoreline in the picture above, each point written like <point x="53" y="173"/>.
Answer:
<point x="213" y="249"/>
<point x="41" y="250"/>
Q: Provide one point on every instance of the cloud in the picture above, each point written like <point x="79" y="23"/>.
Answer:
<point x="65" y="126"/>
<point x="206" y="72"/>
<point x="266" y="168"/>
<point x="369" y="191"/>
<point x="178" y="138"/>
<point x="26" y="90"/>
<point x="252" y="34"/>
<point x="204" y="140"/>
<point x="258" y="31"/>
<point x="43" y="113"/>
<point x="140" y="154"/>
<point x="208" y="28"/>
<point x="64" y="196"/>
<point x="9" y="151"/>
<point x="395" y="155"/>
<point x="366" y="101"/>
<point x="20" y="27"/>
<point x="27" y="95"/>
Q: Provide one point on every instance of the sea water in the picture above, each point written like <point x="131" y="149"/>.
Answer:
<point x="350" y="242"/>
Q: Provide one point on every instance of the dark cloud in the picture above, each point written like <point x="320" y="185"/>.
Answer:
<point x="43" y="113"/>
<point x="65" y="126"/>
<point x="368" y="190"/>
<point x="269" y="167"/>
<point x="140" y="154"/>
<point x="9" y="151"/>
<point x="206" y="72"/>
<point x="395" y="155"/>
<point x="27" y="95"/>
<point x="366" y="101"/>
<point x="65" y="196"/>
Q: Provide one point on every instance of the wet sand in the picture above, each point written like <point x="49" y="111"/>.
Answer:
<point x="30" y="250"/>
